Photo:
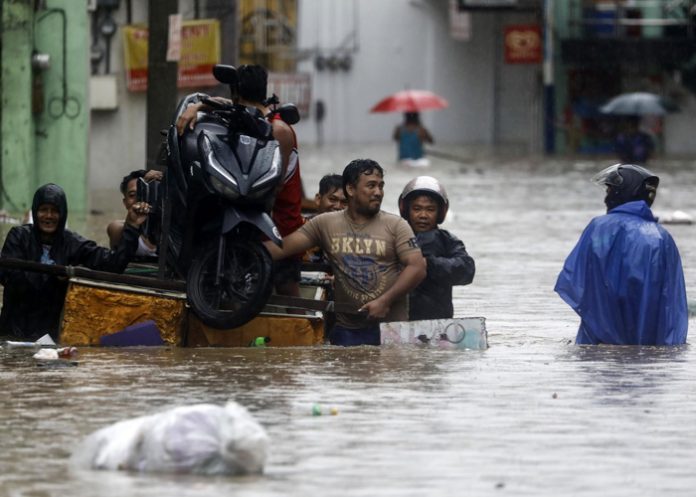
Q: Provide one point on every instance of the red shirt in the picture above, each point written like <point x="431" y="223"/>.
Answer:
<point x="287" y="209"/>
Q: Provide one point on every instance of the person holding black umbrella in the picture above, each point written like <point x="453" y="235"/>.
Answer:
<point x="633" y="145"/>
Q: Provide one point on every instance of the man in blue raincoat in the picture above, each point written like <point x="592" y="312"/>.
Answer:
<point x="624" y="277"/>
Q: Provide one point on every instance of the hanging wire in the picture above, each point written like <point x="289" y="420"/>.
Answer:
<point x="64" y="105"/>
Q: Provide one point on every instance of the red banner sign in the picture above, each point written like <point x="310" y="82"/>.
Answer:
<point x="523" y="44"/>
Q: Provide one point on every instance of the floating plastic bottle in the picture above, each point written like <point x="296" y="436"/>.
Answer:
<point x="259" y="342"/>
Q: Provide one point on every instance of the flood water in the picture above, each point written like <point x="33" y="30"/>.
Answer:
<point x="532" y="415"/>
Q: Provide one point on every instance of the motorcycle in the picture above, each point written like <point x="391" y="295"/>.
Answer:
<point x="212" y="206"/>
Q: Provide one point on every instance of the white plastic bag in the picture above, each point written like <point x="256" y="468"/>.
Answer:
<point x="200" y="439"/>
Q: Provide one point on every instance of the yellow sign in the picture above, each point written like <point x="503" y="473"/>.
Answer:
<point x="268" y="34"/>
<point x="200" y="51"/>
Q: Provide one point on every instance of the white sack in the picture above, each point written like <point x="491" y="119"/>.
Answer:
<point x="201" y="439"/>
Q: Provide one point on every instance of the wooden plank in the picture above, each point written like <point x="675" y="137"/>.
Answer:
<point x="82" y="272"/>
<point x="159" y="284"/>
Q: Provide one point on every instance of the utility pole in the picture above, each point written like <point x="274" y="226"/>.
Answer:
<point x="227" y="13"/>
<point x="549" y="77"/>
<point x="161" y="77"/>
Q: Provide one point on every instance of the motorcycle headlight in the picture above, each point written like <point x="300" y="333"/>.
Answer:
<point x="272" y="173"/>
<point x="220" y="179"/>
<point x="223" y="189"/>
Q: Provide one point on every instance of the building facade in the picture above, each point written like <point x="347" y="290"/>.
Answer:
<point x="76" y="121"/>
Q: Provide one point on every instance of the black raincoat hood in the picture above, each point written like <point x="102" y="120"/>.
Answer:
<point x="50" y="194"/>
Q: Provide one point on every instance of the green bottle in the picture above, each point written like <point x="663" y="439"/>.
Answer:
<point x="259" y="342"/>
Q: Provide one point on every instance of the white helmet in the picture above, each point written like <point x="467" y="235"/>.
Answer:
<point x="424" y="185"/>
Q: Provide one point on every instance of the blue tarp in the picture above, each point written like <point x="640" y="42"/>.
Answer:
<point x="624" y="278"/>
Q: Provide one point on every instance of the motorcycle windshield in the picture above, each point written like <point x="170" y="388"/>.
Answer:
<point x="243" y="163"/>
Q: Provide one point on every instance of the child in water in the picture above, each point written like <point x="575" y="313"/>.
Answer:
<point x="410" y="136"/>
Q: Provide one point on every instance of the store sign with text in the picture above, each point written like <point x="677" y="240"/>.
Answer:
<point x="291" y="88"/>
<point x="198" y="52"/>
<point x="523" y="44"/>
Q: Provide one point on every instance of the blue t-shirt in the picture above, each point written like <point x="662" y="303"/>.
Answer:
<point x="410" y="145"/>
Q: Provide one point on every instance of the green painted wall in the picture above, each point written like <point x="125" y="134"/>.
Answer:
<point x="51" y="145"/>
<point x="63" y="126"/>
<point x="17" y="127"/>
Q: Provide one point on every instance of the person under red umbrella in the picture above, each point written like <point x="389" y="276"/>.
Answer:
<point x="410" y="137"/>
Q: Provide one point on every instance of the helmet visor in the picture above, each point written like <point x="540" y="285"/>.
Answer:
<point x="611" y="175"/>
<point x="608" y="176"/>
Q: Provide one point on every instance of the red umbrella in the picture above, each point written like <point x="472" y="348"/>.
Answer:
<point x="410" y="101"/>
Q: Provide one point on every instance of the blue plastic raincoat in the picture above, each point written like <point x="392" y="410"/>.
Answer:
<point x="624" y="278"/>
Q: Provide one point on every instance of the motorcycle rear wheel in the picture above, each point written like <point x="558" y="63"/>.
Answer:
<point x="244" y="287"/>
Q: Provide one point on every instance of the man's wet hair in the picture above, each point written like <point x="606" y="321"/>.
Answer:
<point x="252" y="80"/>
<point x="357" y="167"/>
<point x="138" y="173"/>
<point x="329" y="183"/>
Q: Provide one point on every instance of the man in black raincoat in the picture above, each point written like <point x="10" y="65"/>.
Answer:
<point x="32" y="301"/>
<point x="424" y="204"/>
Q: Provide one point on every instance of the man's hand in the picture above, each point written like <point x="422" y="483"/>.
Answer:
<point x="411" y="275"/>
<point x="137" y="214"/>
<point x="376" y="309"/>
<point x="190" y="115"/>
<point x="153" y="175"/>
<point x="188" y="118"/>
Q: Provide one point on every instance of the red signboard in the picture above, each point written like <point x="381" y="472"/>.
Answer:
<point x="523" y="44"/>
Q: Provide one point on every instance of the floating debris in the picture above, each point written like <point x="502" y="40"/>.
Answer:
<point x="202" y="439"/>
<point x="678" y="217"/>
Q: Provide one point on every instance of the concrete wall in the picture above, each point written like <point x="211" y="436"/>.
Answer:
<point x="407" y="44"/>
<point x="679" y="129"/>
<point x="118" y="140"/>
<point x="117" y="137"/>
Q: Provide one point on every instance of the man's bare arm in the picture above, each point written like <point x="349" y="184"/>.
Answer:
<point x="188" y="118"/>
<point x="410" y="277"/>
<point x="294" y="243"/>
<point x="283" y="134"/>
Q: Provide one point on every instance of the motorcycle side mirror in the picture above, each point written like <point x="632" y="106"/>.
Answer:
<point x="289" y="113"/>
<point x="225" y="74"/>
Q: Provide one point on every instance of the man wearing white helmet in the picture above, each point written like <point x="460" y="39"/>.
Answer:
<point x="424" y="204"/>
<point x="624" y="277"/>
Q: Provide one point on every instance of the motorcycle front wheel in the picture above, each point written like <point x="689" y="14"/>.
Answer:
<point x="242" y="289"/>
